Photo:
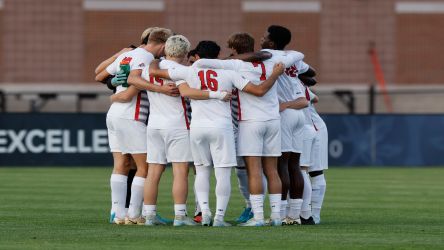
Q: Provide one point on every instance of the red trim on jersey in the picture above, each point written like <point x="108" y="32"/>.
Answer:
<point x="136" y="115"/>
<point x="184" y="105"/>
<point x="239" y="110"/>
<point x="307" y="95"/>
<point x="314" y="125"/>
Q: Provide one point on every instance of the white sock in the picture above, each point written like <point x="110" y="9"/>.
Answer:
<point x="243" y="185"/>
<point x="284" y="205"/>
<point x="202" y="186"/>
<point x="196" y="202"/>
<point x="275" y="204"/>
<point x="295" y="208"/>
<point x="319" y="186"/>
<point x="149" y="210"/>
<point x="180" y="209"/>
<point x="306" y="197"/>
<point x="118" y="185"/>
<point x="257" y="205"/>
<point x="136" y="197"/>
<point x="223" y="191"/>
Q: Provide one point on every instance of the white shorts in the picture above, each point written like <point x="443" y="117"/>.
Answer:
<point x="168" y="145"/>
<point x="308" y="146"/>
<point x="259" y="138"/>
<point x="292" y="124"/>
<point x="320" y="154"/>
<point x="213" y="146"/>
<point x="126" y="136"/>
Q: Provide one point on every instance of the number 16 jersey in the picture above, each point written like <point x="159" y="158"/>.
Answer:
<point x="211" y="113"/>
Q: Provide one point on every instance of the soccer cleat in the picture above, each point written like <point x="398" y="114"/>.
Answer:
<point x="198" y="217"/>
<point x="153" y="220"/>
<point x="317" y="219"/>
<point x="118" y="221"/>
<point x="164" y="220"/>
<point x="182" y="220"/>
<point x="253" y="223"/>
<point x="308" y="221"/>
<point x="135" y="221"/>
<point x="245" y="216"/>
<point x="221" y="223"/>
<point x="111" y="217"/>
<point x="206" y="220"/>
<point x="290" y="221"/>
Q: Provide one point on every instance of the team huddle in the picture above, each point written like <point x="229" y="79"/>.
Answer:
<point x="253" y="111"/>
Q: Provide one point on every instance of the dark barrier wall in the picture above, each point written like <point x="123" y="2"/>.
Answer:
<point x="355" y="140"/>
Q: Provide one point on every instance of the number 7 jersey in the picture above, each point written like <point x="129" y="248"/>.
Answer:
<point x="211" y="113"/>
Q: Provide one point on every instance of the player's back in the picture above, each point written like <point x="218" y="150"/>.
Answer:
<point x="213" y="112"/>
<point x="165" y="111"/>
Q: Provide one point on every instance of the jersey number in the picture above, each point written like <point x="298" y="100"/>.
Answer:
<point x="263" y="75"/>
<point x="156" y="79"/>
<point x="207" y="81"/>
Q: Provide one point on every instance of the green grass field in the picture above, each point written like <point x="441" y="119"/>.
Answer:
<point x="67" y="208"/>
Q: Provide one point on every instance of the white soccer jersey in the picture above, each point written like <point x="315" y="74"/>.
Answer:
<point x="137" y="108"/>
<point x="250" y="107"/>
<point x="288" y="88"/>
<point x="315" y="117"/>
<point x="212" y="112"/>
<point x="166" y="112"/>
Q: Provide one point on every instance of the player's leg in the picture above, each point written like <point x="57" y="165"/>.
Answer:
<point x="317" y="175"/>
<point x="223" y="153"/>
<point x="197" y="210"/>
<point x="150" y="194"/>
<point x="274" y="188"/>
<point x="200" y="149"/>
<point x="306" y="162"/>
<point x="242" y="178"/>
<point x="132" y="172"/>
<point x="137" y="190"/>
<point x="118" y="184"/>
<point x="296" y="188"/>
<point x="285" y="180"/>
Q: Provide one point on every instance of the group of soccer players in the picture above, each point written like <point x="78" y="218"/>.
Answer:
<point x="253" y="111"/>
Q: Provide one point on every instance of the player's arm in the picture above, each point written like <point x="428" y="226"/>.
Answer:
<point x="252" y="56"/>
<point x="102" y="66"/>
<point x="218" y="64"/>
<point x="102" y="75"/>
<point x="125" y="96"/>
<point x="291" y="57"/>
<point x="265" y="86"/>
<point x="155" y="70"/>
<point x="299" y="103"/>
<point x="135" y="79"/>
<point x="197" y="94"/>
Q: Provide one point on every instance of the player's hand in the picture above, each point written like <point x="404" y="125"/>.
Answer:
<point x="119" y="79"/>
<point x="278" y="69"/>
<point x="220" y="95"/>
<point x="170" y="89"/>
<point x="282" y="106"/>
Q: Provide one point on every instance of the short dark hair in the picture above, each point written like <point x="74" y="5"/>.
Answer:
<point x="207" y="49"/>
<point x="241" y="42"/>
<point x="191" y="53"/>
<point x="279" y="35"/>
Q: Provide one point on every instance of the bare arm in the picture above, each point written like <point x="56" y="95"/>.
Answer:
<point x="100" y="77"/>
<point x="253" y="56"/>
<point x="155" y="71"/>
<point x="102" y="66"/>
<point x="137" y="81"/>
<point x="125" y="96"/>
<point x="198" y="94"/>
<point x="265" y="86"/>
<point x="299" y="103"/>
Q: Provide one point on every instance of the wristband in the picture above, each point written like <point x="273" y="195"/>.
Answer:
<point x="217" y="95"/>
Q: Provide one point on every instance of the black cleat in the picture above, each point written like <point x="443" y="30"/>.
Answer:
<point x="308" y="221"/>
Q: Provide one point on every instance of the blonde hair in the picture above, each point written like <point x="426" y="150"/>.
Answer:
<point x="177" y="46"/>
<point x="159" y="35"/>
<point x="146" y="33"/>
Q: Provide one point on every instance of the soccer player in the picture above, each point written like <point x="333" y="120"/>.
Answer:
<point x="319" y="155"/>
<point x="292" y="100"/>
<point x="126" y="121"/>
<point x="128" y="162"/>
<point x="212" y="137"/>
<point x="259" y="125"/>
